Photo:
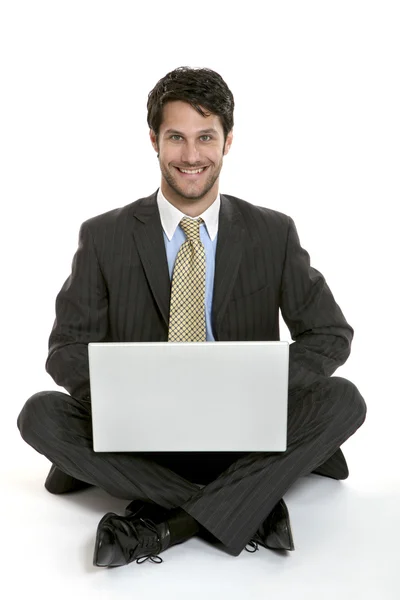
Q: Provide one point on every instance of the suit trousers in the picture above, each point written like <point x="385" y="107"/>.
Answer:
<point x="239" y="490"/>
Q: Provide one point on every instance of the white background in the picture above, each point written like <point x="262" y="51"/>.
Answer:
<point x="316" y="136"/>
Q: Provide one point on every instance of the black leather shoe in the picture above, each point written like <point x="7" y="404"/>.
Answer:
<point x="121" y="540"/>
<point x="58" y="482"/>
<point x="335" y="467"/>
<point x="275" y="532"/>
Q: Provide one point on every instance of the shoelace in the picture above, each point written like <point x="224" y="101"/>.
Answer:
<point x="141" y="559"/>
<point x="150" y="525"/>
<point x="253" y="545"/>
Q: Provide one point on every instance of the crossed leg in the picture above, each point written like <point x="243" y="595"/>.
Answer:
<point x="240" y="493"/>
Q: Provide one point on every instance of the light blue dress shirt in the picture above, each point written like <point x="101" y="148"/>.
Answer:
<point x="174" y="236"/>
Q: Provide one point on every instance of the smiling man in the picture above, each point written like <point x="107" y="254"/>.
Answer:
<point x="188" y="263"/>
<point x="191" y="157"/>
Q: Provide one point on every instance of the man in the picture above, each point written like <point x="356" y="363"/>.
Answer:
<point x="238" y="264"/>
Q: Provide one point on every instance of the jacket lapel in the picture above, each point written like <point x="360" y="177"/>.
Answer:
<point x="148" y="235"/>
<point x="227" y="258"/>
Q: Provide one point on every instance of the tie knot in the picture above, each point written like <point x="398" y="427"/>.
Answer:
<point x="192" y="228"/>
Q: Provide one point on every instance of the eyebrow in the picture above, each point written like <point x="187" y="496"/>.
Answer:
<point x="210" y="130"/>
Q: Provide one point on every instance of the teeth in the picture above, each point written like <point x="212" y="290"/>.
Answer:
<point x="186" y="171"/>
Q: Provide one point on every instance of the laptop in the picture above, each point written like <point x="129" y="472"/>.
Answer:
<point x="189" y="396"/>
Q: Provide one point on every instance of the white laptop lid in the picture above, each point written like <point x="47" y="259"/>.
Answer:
<point x="189" y="396"/>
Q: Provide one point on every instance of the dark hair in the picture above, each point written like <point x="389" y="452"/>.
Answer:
<point x="197" y="87"/>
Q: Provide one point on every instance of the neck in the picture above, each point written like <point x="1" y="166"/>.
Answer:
<point x="191" y="207"/>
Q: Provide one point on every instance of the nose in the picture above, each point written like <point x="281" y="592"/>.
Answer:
<point x="190" y="153"/>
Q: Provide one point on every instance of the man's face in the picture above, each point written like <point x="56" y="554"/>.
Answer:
<point x="187" y="140"/>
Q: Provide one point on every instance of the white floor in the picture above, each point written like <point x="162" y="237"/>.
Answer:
<point x="345" y="533"/>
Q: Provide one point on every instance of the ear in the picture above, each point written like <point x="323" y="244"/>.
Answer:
<point x="228" y="142"/>
<point x="153" y="139"/>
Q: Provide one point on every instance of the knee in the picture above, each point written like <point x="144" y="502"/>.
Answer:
<point x="34" y="413"/>
<point x="349" y="395"/>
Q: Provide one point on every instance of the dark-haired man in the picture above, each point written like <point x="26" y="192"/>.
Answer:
<point x="199" y="149"/>
<point x="248" y="263"/>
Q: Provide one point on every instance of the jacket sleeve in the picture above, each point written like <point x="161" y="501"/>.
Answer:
<point x="81" y="317"/>
<point x="322" y="337"/>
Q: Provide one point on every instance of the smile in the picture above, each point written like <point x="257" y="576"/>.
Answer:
<point x="191" y="173"/>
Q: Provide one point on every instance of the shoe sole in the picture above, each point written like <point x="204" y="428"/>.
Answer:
<point x="291" y="547"/>
<point x="97" y="541"/>
<point x="289" y="527"/>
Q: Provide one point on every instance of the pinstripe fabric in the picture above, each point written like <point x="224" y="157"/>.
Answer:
<point x="119" y="290"/>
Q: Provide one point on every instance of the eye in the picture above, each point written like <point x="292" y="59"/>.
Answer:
<point x="175" y="135"/>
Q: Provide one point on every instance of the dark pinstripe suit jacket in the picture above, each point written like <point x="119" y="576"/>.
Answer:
<point x="119" y="290"/>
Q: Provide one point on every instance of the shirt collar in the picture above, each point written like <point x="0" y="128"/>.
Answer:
<point x="171" y="216"/>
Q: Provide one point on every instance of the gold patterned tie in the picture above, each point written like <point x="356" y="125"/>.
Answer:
<point x="187" y="322"/>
